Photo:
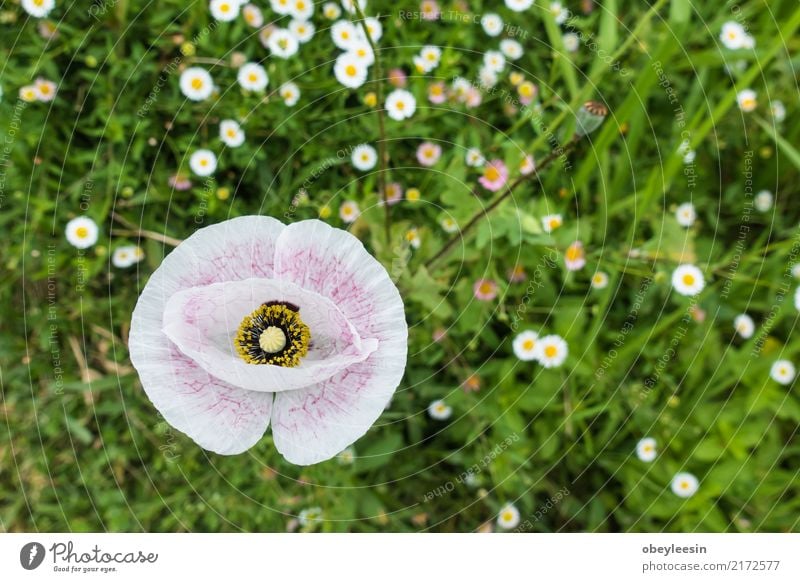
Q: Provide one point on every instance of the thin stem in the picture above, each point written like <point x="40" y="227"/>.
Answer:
<point x="553" y="155"/>
<point x="382" y="155"/>
<point x="138" y="232"/>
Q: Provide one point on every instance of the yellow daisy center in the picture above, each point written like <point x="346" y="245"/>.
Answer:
<point x="688" y="279"/>
<point x="81" y="232"/>
<point x="551" y="351"/>
<point x="528" y="344"/>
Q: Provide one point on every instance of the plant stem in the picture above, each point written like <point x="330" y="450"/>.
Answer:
<point x="553" y="155"/>
<point x="382" y="155"/>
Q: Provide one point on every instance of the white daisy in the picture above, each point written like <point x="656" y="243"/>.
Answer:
<point x="231" y="133"/>
<point x="252" y="77"/>
<point x="225" y="10"/>
<point x="559" y="12"/>
<point x="349" y="211"/>
<point x="763" y="201"/>
<point x="551" y="351"/>
<point x="782" y="372"/>
<point x="301" y="9"/>
<point x="253" y="16"/>
<point x="474" y="158"/>
<point x="413" y="238"/>
<point x="688" y="280"/>
<point x="203" y="162"/>
<point x="127" y="256"/>
<point x="747" y="100"/>
<point x="492" y="24"/>
<point x="494" y="61"/>
<point x="511" y="49"/>
<point x="684" y="484"/>
<point x="732" y="35"/>
<point x="599" y="280"/>
<point x="45" y="90"/>
<point x="282" y="7"/>
<point x="28" y="93"/>
<point x="282" y="43"/>
<point x="331" y="10"/>
<point x="551" y="222"/>
<point x="364" y="157"/>
<point x="81" y="232"/>
<point x="290" y="93"/>
<point x="303" y="30"/>
<point x="350" y="5"/>
<point x="449" y="225"/>
<point x="400" y="104"/>
<point x="196" y="84"/>
<point x="685" y="214"/>
<point x="374" y="28"/>
<point x="744" y="326"/>
<point x="344" y="34"/>
<point x="508" y="518"/>
<point x="646" y="449"/>
<point x="524" y="345"/>
<point x="38" y="8"/>
<point x="796" y="270"/>
<point x="438" y="410"/>
<point x="519" y="5"/>
<point x="797" y="299"/>
<point x="431" y="55"/>
<point x="362" y="51"/>
<point x="350" y="71"/>
<point x="778" y="110"/>
<point x="571" y="42"/>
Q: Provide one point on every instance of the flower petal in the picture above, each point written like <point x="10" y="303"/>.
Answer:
<point x="217" y="415"/>
<point x="314" y="424"/>
<point x="203" y="321"/>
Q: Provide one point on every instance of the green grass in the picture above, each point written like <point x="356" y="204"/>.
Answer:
<point x="82" y="448"/>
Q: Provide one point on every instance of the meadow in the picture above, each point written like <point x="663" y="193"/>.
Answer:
<point x="589" y="209"/>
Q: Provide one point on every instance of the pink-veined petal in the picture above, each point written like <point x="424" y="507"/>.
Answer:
<point x="217" y="415"/>
<point x="203" y="321"/>
<point x="314" y="424"/>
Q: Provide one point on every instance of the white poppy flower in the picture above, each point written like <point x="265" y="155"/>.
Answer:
<point x="251" y="321"/>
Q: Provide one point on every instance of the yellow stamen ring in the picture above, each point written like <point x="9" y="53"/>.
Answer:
<point x="273" y="334"/>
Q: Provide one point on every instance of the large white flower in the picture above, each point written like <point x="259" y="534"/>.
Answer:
<point x="252" y="77"/>
<point x="251" y="321"/>
<point x="196" y="84"/>
<point x="38" y="8"/>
